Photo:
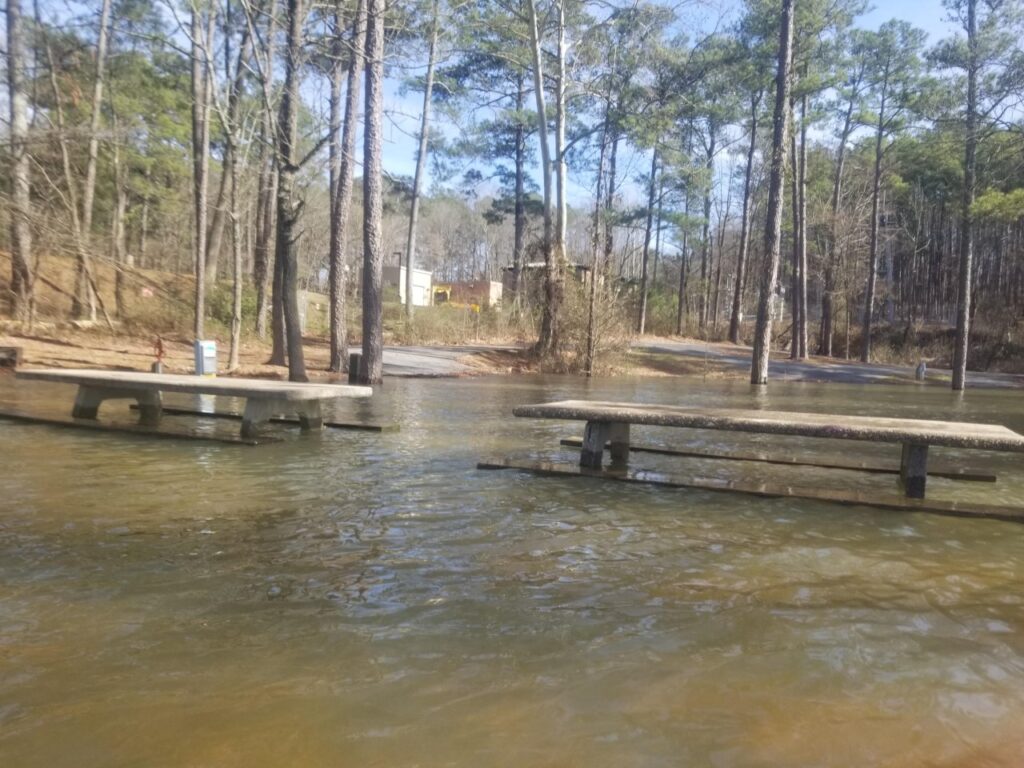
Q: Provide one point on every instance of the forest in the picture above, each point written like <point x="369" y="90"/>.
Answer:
<point x="772" y="173"/>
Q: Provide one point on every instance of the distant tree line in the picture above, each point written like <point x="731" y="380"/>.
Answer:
<point x="709" y="170"/>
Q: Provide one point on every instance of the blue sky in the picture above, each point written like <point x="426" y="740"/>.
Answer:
<point x="404" y="110"/>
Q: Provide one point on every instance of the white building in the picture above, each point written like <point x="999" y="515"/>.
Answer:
<point x="394" y="277"/>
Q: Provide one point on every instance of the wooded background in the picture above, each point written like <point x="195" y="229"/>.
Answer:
<point x="778" y="163"/>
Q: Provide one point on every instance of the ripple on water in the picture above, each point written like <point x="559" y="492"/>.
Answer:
<point x="373" y="599"/>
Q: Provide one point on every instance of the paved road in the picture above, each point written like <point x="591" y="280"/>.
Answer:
<point x="432" y="361"/>
<point x="821" y="369"/>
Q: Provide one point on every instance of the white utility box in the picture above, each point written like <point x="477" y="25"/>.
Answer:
<point x="205" y="358"/>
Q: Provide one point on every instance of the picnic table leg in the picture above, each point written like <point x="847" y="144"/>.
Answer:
<point x="914" y="469"/>
<point x="595" y="435"/>
<point x="618" y="435"/>
<point x="310" y="416"/>
<point x="150" y="408"/>
<point x="87" y="402"/>
<point x="257" y="413"/>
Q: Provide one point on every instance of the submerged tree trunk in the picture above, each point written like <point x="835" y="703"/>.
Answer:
<point x="341" y="202"/>
<point x="741" y="258"/>
<point x="773" y="228"/>
<point x="549" y="317"/>
<point x="371" y="363"/>
<point x="421" y="163"/>
<point x="876" y="188"/>
<point x="963" y="305"/>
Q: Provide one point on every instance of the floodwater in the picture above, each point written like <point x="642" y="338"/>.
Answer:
<point x="362" y="599"/>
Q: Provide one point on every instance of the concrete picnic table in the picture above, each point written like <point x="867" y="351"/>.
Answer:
<point x="263" y="398"/>
<point x="610" y="422"/>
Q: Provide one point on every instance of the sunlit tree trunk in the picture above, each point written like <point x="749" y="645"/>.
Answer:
<point x="82" y="286"/>
<point x="876" y="191"/>
<point x="20" y="176"/>
<point x="341" y="202"/>
<point x="519" y="234"/>
<point x="549" y="317"/>
<point x="741" y="257"/>
<point x="267" y="189"/>
<point x="963" y="306"/>
<point x="201" y="90"/>
<point x="421" y="162"/>
<point x="705" y="254"/>
<point x="289" y="206"/>
<point x="828" y="295"/>
<point x="801" y="331"/>
<point x="372" y="361"/>
<point x="652" y="188"/>
<point x="773" y="228"/>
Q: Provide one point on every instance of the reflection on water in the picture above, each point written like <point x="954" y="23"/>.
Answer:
<point x="358" y="599"/>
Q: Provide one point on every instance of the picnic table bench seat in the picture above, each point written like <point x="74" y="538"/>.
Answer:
<point x="609" y="422"/>
<point x="263" y="398"/>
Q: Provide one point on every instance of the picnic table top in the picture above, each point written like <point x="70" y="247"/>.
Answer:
<point x="206" y="385"/>
<point x="953" y="434"/>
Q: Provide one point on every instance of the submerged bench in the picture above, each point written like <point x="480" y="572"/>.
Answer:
<point x="608" y="424"/>
<point x="263" y="399"/>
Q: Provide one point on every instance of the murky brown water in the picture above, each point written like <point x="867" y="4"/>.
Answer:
<point x="372" y="600"/>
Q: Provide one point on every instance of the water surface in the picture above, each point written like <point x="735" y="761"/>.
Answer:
<point x="359" y="599"/>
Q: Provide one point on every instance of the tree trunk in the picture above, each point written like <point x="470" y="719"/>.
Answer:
<point x="705" y="255"/>
<point x="549" y="317"/>
<point x="371" y="364"/>
<point x="118" y="240"/>
<point x="684" y="251"/>
<point x="802" y="232"/>
<point x="289" y="207"/>
<point x="342" y="199"/>
<point x="609" y="194"/>
<point x="236" y="272"/>
<point x="81" y="250"/>
<point x="963" y="306"/>
<point x="828" y="295"/>
<point x="794" y="293"/>
<point x="773" y="229"/>
<point x="421" y="163"/>
<point x="221" y="212"/>
<point x="267" y="191"/>
<point x="595" y="246"/>
<point x="723" y="224"/>
<point x="83" y="290"/>
<point x="202" y="83"/>
<point x="657" y="231"/>
<point x="641" y="320"/>
<point x="741" y="258"/>
<point x="876" y="188"/>
<point x="20" y="168"/>
<point x="519" y="236"/>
